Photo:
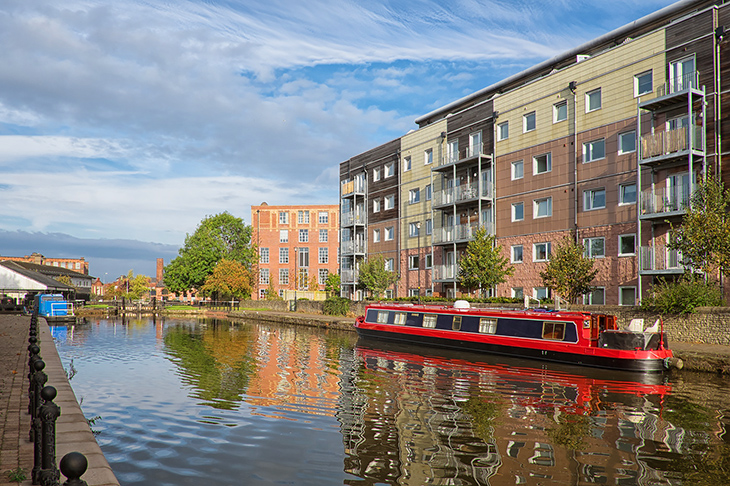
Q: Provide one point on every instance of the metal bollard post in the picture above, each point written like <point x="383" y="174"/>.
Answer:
<point x="73" y="466"/>
<point x="49" y="413"/>
<point x="37" y="380"/>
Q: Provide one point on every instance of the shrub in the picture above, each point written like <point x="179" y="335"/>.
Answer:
<point x="682" y="296"/>
<point x="336" y="306"/>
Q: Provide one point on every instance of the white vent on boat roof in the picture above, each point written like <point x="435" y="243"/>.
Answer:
<point x="461" y="304"/>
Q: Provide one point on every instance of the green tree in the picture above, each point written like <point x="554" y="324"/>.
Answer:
<point x="230" y="279"/>
<point x="569" y="272"/>
<point x="218" y="237"/>
<point x="332" y="284"/>
<point x="704" y="236"/>
<point x="139" y="286"/>
<point x="374" y="277"/>
<point x="482" y="265"/>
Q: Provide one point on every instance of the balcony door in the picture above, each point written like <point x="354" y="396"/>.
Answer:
<point x="682" y="74"/>
<point x="679" y="188"/>
<point x="475" y="144"/>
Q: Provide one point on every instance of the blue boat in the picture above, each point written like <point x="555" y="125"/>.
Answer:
<point x="54" y="308"/>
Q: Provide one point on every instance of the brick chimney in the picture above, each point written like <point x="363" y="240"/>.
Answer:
<point x="160" y="269"/>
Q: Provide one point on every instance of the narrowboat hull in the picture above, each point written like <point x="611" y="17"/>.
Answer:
<point x="575" y="348"/>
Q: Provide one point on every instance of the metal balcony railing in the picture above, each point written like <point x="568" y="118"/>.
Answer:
<point x="659" y="258"/>
<point x="679" y="84"/>
<point x="664" y="200"/>
<point x="348" y="276"/>
<point x="353" y="187"/>
<point x="353" y="217"/>
<point x="464" y="153"/>
<point x="670" y="141"/>
<point x="466" y="192"/>
<point x="445" y="272"/>
<point x="353" y="246"/>
<point x="460" y="232"/>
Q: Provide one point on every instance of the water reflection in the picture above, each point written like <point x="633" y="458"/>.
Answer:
<point x="215" y="401"/>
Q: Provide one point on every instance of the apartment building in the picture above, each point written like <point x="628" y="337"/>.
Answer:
<point x="298" y="245"/>
<point x="76" y="264"/>
<point x="602" y="144"/>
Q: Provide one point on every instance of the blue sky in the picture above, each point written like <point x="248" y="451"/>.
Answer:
<point x="123" y="124"/>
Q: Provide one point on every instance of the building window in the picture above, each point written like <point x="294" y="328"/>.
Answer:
<point x="597" y="296"/>
<point x="413" y="262"/>
<point x="303" y="257"/>
<point x="518" y="211"/>
<point x="389" y="233"/>
<point x="413" y="229"/>
<point x="428" y="192"/>
<point x="323" y="236"/>
<point x="283" y="236"/>
<point x="303" y="217"/>
<point x="518" y="170"/>
<point x="376" y="205"/>
<point x="324" y="256"/>
<point x="627" y="193"/>
<point x="389" y="202"/>
<point x="542" y="208"/>
<point x="503" y="131"/>
<point x="627" y="296"/>
<point x="627" y="245"/>
<point x="303" y="235"/>
<point x="283" y="217"/>
<point x="452" y="151"/>
<point x="594" y="150"/>
<point x="541" y="252"/>
<point x="376" y="235"/>
<point x="594" y="199"/>
<point x="428" y="261"/>
<point x="377" y="173"/>
<point x="324" y="217"/>
<point x="593" y="100"/>
<point x="389" y="264"/>
<point x="428" y="156"/>
<point x="560" y="111"/>
<point x="283" y="255"/>
<point x="627" y="142"/>
<point x="390" y="169"/>
<point x="542" y="163"/>
<point x="323" y="274"/>
<point x="540" y="293"/>
<point x="263" y="255"/>
<point x="264" y="276"/>
<point x="594" y="247"/>
<point x="516" y="254"/>
<point x="406" y="163"/>
<point x="414" y="196"/>
<point x="528" y="122"/>
<point x="429" y="226"/>
<point x="642" y="83"/>
<point x="283" y="276"/>
<point x="518" y="293"/>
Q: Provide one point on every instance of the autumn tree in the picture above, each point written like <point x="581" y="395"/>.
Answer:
<point x="332" y="284"/>
<point x="482" y="264"/>
<point x="373" y="276"/>
<point x="216" y="238"/>
<point x="229" y="279"/>
<point x="569" y="272"/>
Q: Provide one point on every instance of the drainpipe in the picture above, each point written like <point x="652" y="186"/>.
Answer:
<point x="572" y="87"/>
<point x="716" y="40"/>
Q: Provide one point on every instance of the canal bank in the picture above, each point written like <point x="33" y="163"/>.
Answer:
<point x="711" y="358"/>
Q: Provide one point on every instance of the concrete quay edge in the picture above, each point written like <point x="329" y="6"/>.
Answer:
<point x="700" y="357"/>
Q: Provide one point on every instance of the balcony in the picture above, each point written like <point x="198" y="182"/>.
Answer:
<point x="353" y="187"/>
<point x="352" y="218"/>
<point x="462" y="155"/>
<point x="462" y="194"/>
<point x="353" y="247"/>
<point x="445" y="273"/>
<point x="456" y="234"/>
<point x="348" y="276"/>
<point x="670" y="146"/>
<point x="659" y="260"/>
<point x="673" y="92"/>
<point x="664" y="202"/>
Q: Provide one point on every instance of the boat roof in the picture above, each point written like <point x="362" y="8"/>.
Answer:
<point x="483" y="311"/>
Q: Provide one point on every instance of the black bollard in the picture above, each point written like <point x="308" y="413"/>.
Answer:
<point x="73" y="466"/>
<point x="37" y="380"/>
<point x="49" y="413"/>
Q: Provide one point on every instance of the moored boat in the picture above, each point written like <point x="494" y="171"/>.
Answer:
<point x="580" y="338"/>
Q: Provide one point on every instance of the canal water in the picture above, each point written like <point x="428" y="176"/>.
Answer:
<point x="198" y="402"/>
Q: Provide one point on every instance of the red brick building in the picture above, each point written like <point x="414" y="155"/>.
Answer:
<point x="79" y="265"/>
<point x="298" y="246"/>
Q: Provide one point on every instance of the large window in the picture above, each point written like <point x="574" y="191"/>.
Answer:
<point x="283" y="276"/>
<point x="323" y="274"/>
<point x="593" y="100"/>
<point x="414" y="196"/>
<point x="518" y="211"/>
<point x="303" y="217"/>
<point x="376" y="235"/>
<point x="390" y="169"/>
<point x="283" y="217"/>
<point x="283" y="255"/>
<point x="560" y="111"/>
<point x="283" y="236"/>
<point x="324" y="217"/>
<point x="389" y="202"/>
<point x="528" y="122"/>
<point x="627" y="296"/>
<point x="594" y="199"/>
<point x="597" y="296"/>
<point x="389" y="264"/>
<point x="541" y="252"/>
<point x="627" y="193"/>
<point x="516" y="254"/>
<point x="264" y="276"/>
<point x="414" y="229"/>
<point x="642" y="83"/>
<point x="413" y="262"/>
<point x="542" y="208"/>
<point x="540" y="293"/>
<point x="264" y="255"/>
<point x="428" y="156"/>
<point x="627" y="245"/>
<point x="626" y="142"/>
<point x="324" y="256"/>
<point x="594" y="150"/>
<point x="594" y="247"/>
<point x="377" y="173"/>
<point x="389" y="233"/>
<point x="303" y="235"/>
<point x="518" y="170"/>
<point x="503" y="131"/>
<point x="323" y="236"/>
<point x="376" y="205"/>
<point x="542" y="163"/>
<point x="406" y="163"/>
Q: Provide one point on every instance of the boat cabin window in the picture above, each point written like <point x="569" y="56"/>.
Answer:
<point x="429" y="320"/>
<point x="400" y="318"/>
<point x="383" y="317"/>
<point x="553" y="330"/>
<point x="456" y="325"/>
<point x="487" y="325"/>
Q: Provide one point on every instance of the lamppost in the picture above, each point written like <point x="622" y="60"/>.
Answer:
<point x="296" y="276"/>
<point x="418" y="258"/>
<point x="258" y="246"/>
